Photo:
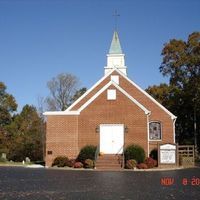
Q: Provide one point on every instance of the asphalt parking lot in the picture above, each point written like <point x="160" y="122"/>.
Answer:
<point x="31" y="184"/>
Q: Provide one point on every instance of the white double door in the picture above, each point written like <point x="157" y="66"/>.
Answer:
<point x="111" y="138"/>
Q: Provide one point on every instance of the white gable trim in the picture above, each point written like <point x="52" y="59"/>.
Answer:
<point x="61" y="113"/>
<point x="147" y="95"/>
<point x="132" y="99"/>
<point x="95" y="96"/>
<point x="88" y="91"/>
<point x="121" y="90"/>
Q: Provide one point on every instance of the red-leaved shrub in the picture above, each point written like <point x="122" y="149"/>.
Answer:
<point x="142" y="166"/>
<point x="71" y="163"/>
<point x="155" y="163"/>
<point x="150" y="162"/>
<point x="78" y="165"/>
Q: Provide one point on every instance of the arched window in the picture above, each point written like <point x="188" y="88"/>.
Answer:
<point x="155" y="132"/>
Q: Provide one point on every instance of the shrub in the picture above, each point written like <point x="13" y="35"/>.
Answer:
<point x="40" y="162"/>
<point x="60" y="161"/>
<point x="89" y="163"/>
<point x="155" y="163"/>
<point x="131" y="164"/>
<point x="135" y="152"/>
<point x="142" y="166"/>
<point x="71" y="163"/>
<point x="78" y="165"/>
<point x="3" y="159"/>
<point x="154" y="154"/>
<point x="87" y="152"/>
<point x="150" y="162"/>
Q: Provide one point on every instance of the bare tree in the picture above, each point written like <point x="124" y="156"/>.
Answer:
<point x="41" y="106"/>
<point x="62" y="89"/>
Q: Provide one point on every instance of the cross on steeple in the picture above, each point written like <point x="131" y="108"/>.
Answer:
<point x="116" y="15"/>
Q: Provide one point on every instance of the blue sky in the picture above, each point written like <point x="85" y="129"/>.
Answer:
<point x="41" y="38"/>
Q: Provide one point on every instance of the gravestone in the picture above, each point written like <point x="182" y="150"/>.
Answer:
<point x="4" y="156"/>
<point x="27" y="160"/>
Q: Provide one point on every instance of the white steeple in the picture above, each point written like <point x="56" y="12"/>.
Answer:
<point x="115" y="57"/>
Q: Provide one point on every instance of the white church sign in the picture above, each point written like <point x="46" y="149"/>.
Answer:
<point x="167" y="154"/>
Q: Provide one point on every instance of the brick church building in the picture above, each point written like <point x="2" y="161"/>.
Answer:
<point x="113" y="113"/>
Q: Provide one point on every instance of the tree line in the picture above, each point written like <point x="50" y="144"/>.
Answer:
<point x="181" y="63"/>
<point x="23" y="134"/>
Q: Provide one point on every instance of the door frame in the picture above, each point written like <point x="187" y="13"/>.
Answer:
<point x="101" y="125"/>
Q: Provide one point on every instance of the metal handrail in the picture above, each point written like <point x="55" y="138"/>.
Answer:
<point x="119" y="150"/>
<point x="123" y="158"/>
<point x="122" y="162"/>
<point x="96" y="154"/>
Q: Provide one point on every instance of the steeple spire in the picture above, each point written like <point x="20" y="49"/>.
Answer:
<point x="115" y="47"/>
<point x="115" y="57"/>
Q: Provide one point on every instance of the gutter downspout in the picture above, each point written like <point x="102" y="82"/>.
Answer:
<point x="174" y="131"/>
<point x="148" y="114"/>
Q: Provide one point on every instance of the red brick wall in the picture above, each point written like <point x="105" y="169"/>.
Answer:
<point x="61" y="137"/>
<point x="66" y="135"/>
<point x="93" y="92"/>
<point x="90" y="94"/>
<point x="119" y="111"/>
<point x="157" y="114"/>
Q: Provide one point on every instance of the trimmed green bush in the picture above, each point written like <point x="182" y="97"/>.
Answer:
<point x="154" y="154"/>
<point x="131" y="164"/>
<point x="89" y="164"/>
<point x="135" y="152"/>
<point x="60" y="161"/>
<point x="87" y="152"/>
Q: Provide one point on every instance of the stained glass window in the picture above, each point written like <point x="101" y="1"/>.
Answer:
<point x="155" y="131"/>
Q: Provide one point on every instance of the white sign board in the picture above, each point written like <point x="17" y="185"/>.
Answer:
<point x="167" y="154"/>
<point x="168" y="146"/>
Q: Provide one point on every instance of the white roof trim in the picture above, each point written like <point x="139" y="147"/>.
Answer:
<point x="132" y="99"/>
<point x="134" y="84"/>
<point x="61" y="113"/>
<point x="88" y="91"/>
<point x="95" y="96"/>
<point x="146" y="94"/>
<point x="121" y="90"/>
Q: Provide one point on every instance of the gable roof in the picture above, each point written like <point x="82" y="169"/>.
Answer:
<point x="146" y="111"/>
<point x="69" y="112"/>
<point x="89" y="90"/>
<point x="130" y="81"/>
<point x="147" y="95"/>
<point x="121" y="90"/>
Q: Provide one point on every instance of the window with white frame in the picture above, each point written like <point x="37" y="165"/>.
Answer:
<point x="111" y="94"/>
<point x="115" y="78"/>
<point x="155" y="131"/>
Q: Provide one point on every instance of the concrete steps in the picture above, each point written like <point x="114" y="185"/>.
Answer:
<point x="108" y="162"/>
